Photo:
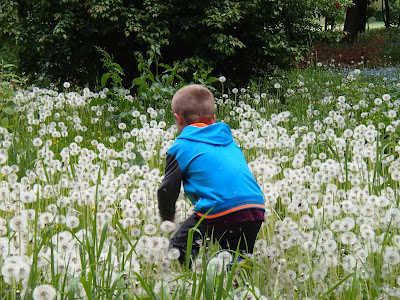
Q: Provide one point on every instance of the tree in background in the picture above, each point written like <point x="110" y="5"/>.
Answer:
<point x="332" y="11"/>
<point x="57" y="39"/>
<point x="356" y="19"/>
<point x="386" y="12"/>
<point x="395" y="9"/>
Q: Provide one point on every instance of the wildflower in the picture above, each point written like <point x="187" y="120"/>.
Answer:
<point x="348" y="238"/>
<point x="44" y="292"/>
<point x="167" y="226"/>
<point x="347" y="224"/>
<point x="246" y="293"/>
<point x="329" y="245"/>
<point x="367" y="233"/>
<point x="3" y="231"/>
<point x="304" y="270"/>
<point x="290" y="275"/>
<point x="37" y="142"/>
<point x="66" y="85"/>
<point x="3" y="159"/>
<point x="150" y="229"/>
<point x="391" y="114"/>
<point x="216" y="264"/>
<point x="122" y="126"/>
<point x="386" y="97"/>
<point x="277" y="85"/>
<point x="222" y="79"/>
<point x="135" y="113"/>
<point x="19" y="223"/>
<point x="174" y="253"/>
<point x="9" y="270"/>
<point x="309" y="246"/>
<point x="260" y="244"/>
<point x="349" y="262"/>
<point x="395" y="175"/>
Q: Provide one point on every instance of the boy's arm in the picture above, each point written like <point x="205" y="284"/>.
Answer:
<point x="168" y="192"/>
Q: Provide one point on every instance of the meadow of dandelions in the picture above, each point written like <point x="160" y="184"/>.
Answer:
<point x="79" y="175"/>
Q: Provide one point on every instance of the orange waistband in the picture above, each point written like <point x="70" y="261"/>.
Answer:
<point x="232" y="210"/>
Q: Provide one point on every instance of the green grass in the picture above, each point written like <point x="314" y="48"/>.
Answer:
<point x="294" y="128"/>
<point x="110" y="256"/>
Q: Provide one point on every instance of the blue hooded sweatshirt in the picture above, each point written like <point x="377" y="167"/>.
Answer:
<point x="214" y="172"/>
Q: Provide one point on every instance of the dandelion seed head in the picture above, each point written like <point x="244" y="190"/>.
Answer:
<point x="44" y="292"/>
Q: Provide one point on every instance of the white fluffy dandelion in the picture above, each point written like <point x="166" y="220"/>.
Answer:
<point x="174" y="253"/>
<point x="19" y="224"/>
<point x="150" y="229"/>
<point x="44" y="292"/>
<point x="167" y="226"/>
<point x="37" y="142"/>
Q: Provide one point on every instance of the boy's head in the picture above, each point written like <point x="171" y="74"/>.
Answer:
<point x="193" y="104"/>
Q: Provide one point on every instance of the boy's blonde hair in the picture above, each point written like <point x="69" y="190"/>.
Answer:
<point x="195" y="103"/>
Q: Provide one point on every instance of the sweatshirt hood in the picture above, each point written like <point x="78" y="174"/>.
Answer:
<point x="215" y="134"/>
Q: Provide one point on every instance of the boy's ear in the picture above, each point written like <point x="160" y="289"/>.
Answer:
<point x="213" y="119"/>
<point x="178" y="119"/>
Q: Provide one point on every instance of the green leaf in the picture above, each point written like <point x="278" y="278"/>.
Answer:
<point x="139" y="160"/>
<point x="118" y="68"/>
<point x="86" y="286"/>
<point x="103" y="238"/>
<point x="123" y="104"/>
<point x="10" y="104"/>
<point x="330" y="290"/>
<point x="104" y="79"/>
<point x="4" y="122"/>
<point x="6" y="66"/>
<point x="210" y="282"/>
<point x="9" y="110"/>
<point x="146" y="287"/>
<point x="97" y="101"/>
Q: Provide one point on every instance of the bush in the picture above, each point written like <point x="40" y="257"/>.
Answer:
<point x="58" y="38"/>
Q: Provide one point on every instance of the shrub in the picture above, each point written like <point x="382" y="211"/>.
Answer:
<point x="58" y="38"/>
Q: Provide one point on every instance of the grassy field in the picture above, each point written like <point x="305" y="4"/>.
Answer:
<point x="79" y="171"/>
<point x="79" y="174"/>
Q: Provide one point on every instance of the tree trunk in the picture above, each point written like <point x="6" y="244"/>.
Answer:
<point x="356" y="19"/>
<point x="386" y="13"/>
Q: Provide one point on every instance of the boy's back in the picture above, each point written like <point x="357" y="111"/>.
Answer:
<point x="215" y="172"/>
<point x="215" y="177"/>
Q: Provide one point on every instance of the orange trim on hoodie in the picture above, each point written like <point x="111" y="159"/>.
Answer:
<point x="199" y="125"/>
<point x="232" y="210"/>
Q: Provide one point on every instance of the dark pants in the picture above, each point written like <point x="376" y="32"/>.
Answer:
<point x="241" y="236"/>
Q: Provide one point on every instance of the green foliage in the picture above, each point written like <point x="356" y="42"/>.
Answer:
<point x="58" y="38"/>
<point x="157" y="88"/>
<point x="375" y="11"/>
<point x="391" y="42"/>
<point x="114" y="70"/>
<point x="395" y="12"/>
<point x="9" y="81"/>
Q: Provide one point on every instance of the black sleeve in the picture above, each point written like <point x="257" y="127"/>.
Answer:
<point x="168" y="192"/>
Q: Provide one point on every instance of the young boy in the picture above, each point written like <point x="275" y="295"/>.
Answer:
<point x="215" y="177"/>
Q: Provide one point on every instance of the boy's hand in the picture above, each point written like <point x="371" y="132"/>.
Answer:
<point x="173" y="219"/>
